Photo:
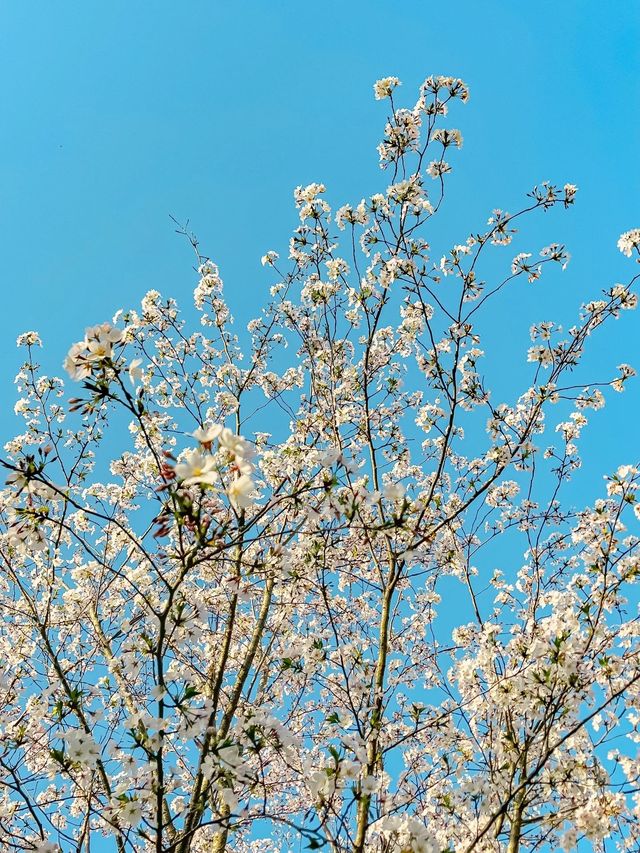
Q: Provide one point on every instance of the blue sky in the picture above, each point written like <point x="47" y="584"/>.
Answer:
<point x="117" y="115"/>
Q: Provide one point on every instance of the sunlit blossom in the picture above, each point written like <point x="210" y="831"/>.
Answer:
<point x="197" y="468"/>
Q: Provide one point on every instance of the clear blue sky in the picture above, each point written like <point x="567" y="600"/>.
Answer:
<point x="116" y="115"/>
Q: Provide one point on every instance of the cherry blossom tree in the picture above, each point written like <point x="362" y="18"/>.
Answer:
<point x="244" y="585"/>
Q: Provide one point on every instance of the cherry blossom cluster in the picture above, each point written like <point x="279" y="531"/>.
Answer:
<point x="316" y="583"/>
<point x="201" y="467"/>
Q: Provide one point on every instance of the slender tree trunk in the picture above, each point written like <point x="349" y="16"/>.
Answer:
<point x="516" y="825"/>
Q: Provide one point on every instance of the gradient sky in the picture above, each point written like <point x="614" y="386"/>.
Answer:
<point x="117" y="115"/>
